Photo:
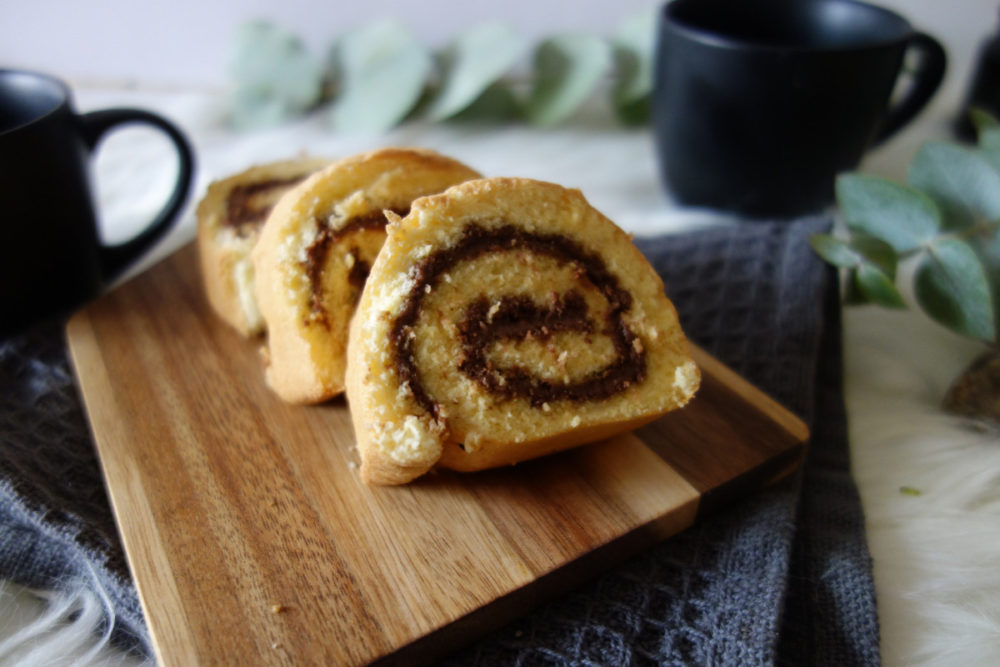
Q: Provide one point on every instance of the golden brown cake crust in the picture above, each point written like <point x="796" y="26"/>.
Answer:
<point x="507" y="319"/>
<point x="224" y="244"/>
<point x="313" y="254"/>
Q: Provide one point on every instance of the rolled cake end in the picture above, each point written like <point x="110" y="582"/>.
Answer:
<point x="503" y="320"/>
<point x="230" y="217"/>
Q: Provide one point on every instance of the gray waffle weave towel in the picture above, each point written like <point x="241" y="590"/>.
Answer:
<point x="784" y="577"/>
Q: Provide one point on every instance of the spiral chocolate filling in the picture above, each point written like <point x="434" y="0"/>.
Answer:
<point x="249" y="204"/>
<point x="518" y="316"/>
<point x="319" y="250"/>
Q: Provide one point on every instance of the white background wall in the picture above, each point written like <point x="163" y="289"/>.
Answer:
<point x="186" y="42"/>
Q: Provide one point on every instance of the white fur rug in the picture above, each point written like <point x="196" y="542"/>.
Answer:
<point x="57" y="629"/>
<point x="930" y="485"/>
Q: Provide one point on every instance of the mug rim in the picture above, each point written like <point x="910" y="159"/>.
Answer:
<point x="717" y="39"/>
<point x="57" y="84"/>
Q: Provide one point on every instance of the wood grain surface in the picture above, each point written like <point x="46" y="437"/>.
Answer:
<point x="253" y="541"/>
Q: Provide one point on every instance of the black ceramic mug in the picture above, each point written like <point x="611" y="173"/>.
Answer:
<point x="51" y="255"/>
<point x="758" y="104"/>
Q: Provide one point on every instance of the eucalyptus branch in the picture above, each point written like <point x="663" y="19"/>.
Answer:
<point x="946" y="218"/>
<point x="378" y="76"/>
<point x="980" y="229"/>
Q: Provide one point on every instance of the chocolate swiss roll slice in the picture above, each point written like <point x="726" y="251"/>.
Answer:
<point x="507" y="319"/>
<point x="230" y="216"/>
<point x="314" y="254"/>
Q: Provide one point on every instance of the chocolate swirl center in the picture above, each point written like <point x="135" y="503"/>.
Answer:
<point x="517" y="317"/>
<point x="319" y="250"/>
<point x="249" y="204"/>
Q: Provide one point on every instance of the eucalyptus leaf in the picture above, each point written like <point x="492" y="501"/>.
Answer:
<point x="983" y="120"/>
<point x="495" y="104"/>
<point x="853" y="296"/>
<point x="963" y="183"/>
<point x="987" y="249"/>
<point x="902" y="216"/>
<point x="382" y="72"/>
<point x="989" y="146"/>
<point x="877" y="287"/>
<point x="636" y="113"/>
<point x="876" y="252"/>
<point x="633" y="46"/>
<point x="871" y="265"/>
<point x="254" y="109"/>
<point x="567" y="68"/>
<point x="952" y="288"/>
<point x="476" y="61"/>
<point x="987" y="242"/>
<point x="274" y="76"/>
<point x="858" y="250"/>
<point x="835" y="251"/>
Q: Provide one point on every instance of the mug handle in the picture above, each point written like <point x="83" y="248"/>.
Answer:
<point x="115" y="258"/>
<point x="926" y="78"/>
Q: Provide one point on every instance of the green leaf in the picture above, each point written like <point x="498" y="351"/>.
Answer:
<point x="876" y="274"/>
<point x="567" y="68"/>
<point x="274" y="76"/>
<point x="497" y="103"/>
<point x="633" y="46"/>
<point x="877" y="252"/>
<point x="987" y="248"/>
<point x="962" y="182"/>
<point x="872" y="267"/>
<point x="382" y="72"/>
<point x="636" y="113"/>
<point x="253" y="109"/>
<point x="952" y="288"/>
<point x="476" y="61"/>
<point x="901" y="216"/>
<point x="983" y="120"/>
<point x="853" y="296"/>
<point x="835" y="251"/>
<point x="859" y="249"/>
<point x="878" y="287"/>
<point x="989" y="146"/>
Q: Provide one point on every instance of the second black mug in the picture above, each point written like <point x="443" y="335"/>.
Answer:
<point x="758" y="104"/>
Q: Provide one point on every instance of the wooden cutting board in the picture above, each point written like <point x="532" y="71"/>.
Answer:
<point x="253" y="541"/>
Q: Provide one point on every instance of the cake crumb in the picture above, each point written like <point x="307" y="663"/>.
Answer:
<point x="494" y="309"/>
